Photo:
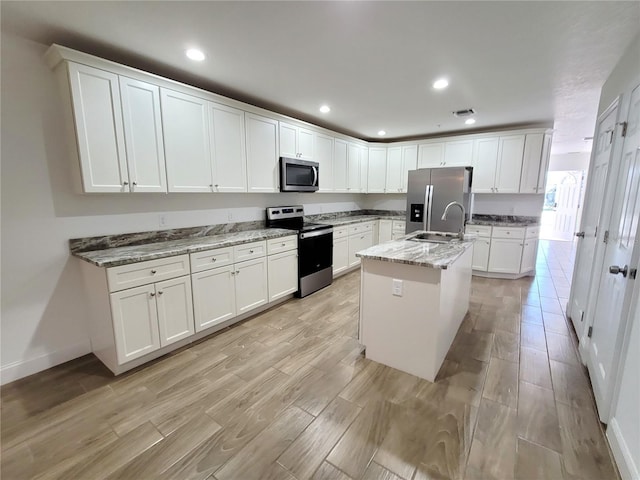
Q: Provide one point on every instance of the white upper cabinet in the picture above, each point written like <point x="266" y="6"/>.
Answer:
<point x="364" y="168"/>
<point x="544" y="163"/>
<point x="228" y="154"/>
<point x="353" y="168"/>
<point x="185" y="121"/>
<point x="394" y="170"/>
<point x="144" y="140"/>
<point x="431" y="155"/>
<point x="458" y="153"/>
<point x="296" y="142"/>
<point x="262" y="153"/>
<point x="532" y="163"/>
<point x="339" y="166"/>
<point x="324" y="156"/>
<point x="485" y="162"/>
<point x="409" y="160"/>
<point x="510" y="153"/>
<point x="377" y="170"/>
<point x="100" y="136"/>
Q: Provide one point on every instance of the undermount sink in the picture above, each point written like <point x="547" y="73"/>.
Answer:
<point x="430" y="237"/>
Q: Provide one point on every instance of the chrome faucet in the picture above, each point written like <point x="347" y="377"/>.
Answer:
<point x="444" y="216"/>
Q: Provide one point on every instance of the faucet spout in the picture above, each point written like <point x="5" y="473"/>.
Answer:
<point x="446" y="210"/>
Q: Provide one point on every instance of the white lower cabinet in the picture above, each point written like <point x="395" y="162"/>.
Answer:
<point x="398" y="228"/>
<point x="481" y="254"/>
<point x="357" y="242"/>
<point x="505" y="255"/>
<point x="529" y="252"/>
<point x="283" y="274"/>
<point x="251" y="285"/>
<point x="340" y="250"/>
<point x="211" y="309"/>
<point x="384" y="231"/>
<point x="152" y="316"/>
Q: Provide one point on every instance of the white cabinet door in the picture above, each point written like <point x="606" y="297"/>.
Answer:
<point x="98" y="120"/>
<point x="458" y="153"/>
<point x="485" y="162"/>
<point x="364" y="169"/>
<point x="384" y="232"/>
<point x="262" y="153"/>
<point x="305" y="144"/>
<point x="185" y="122"/>
<point x="135" y="322"/>
<point x="394" y="170"/>
<point x="340" y="254"/>
<point x="251" y="284"/>
<point x="283" y="274"/>
<point x="481" y="254"/>
<point x="144" y="140"/>
<point x="323" y="154"/>
<point x="531" y="163"/>
<point x="356" y="243"/>
<point x="214" y="296"/>
<point x="544" y="163"/>
<point x="409" y="162"/>
<point x="353" y="168"/>
<point x="510" y="153"/>
<point x="505" y="255"/>
<point x="175" y="310"/>
<point x="228" y="153"/>
<point x="529" y="252"/>
<point x="431" y="155"/>
<point x="339" y="166"/>
<point x="377" y="170"/>
<point x="288" y="143"/>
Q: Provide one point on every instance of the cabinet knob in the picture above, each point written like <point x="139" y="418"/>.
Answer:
<point x="216" y="185"/>
<point x="160" y="292"/>
<point x="213" y="259"/>
<point x="237" y="272"/>
<point x="283" y="244"/>
<point x="152" y="294"/>
<point x="153" y="272"/>
<point x="125" y="183"/>
<point x="211" y="185"/>
<point x="135" y="183"/>
<point x="233" y="273"/>
<point x="250" y="251"/>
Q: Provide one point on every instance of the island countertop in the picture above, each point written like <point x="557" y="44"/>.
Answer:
<point x="424" y="254"/>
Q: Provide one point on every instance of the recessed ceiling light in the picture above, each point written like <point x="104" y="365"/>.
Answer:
<point x="195" y="54"/>
<point x="470" y="121"/>
<point x="382" y="133"/>
<point x="325" y="109"/>
<point x="441" y="83"/>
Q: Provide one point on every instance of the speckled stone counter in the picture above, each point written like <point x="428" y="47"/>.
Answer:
<point x="111" y="257"/>
<point x="339" y="221"/>
<point x="504" y="220"/>
<point x="424" y="254"/>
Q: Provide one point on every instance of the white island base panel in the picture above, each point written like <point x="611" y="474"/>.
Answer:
<point x="413" y="331"/>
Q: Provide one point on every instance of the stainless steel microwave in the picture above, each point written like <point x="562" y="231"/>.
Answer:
<point x="298" y="175"/>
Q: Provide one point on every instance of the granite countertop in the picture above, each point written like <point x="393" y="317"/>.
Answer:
<point x="339" y="221"/>
<point x="423" y="254"/>
<point x="504" y="220"/>
<point x="111" y="257"/>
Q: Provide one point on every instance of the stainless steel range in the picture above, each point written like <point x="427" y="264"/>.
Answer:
<point x="315" y="247"/>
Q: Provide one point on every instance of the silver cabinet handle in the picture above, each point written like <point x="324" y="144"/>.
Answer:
<point x="152" y="294"/>
<point x="233" y="273"/>
<point x="160" y="292"/>
<point x="580" y="234"/>
<point x="250" y="251"/>
<point x="283" y="244"/>
<point x="135" y="183"/>
<point x="237" y="272"/>
<point x="125" y="183"/>
<point x="153" y="272"/>
<point x="614" y="269"/>
<point x="213" y="259"/>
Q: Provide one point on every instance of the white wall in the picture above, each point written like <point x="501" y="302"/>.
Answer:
<point x="508" y="204"/>
<point x="627" y="67"/>
<point x="568" y="162"/>
<point x="43" y="314"/>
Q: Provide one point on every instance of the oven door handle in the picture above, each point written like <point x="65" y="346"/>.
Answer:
<point x="315" y="176"/>
<point x="324" y="231"/>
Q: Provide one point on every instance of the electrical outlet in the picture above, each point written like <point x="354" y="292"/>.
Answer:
<point x="396" y="287"/>
<point x="162" y="220"/>
<point x="230" y="216"/>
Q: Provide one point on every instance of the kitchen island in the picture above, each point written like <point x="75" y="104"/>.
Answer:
<point x="413" y="298"/>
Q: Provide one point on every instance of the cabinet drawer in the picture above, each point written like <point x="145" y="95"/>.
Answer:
<point x="360" y="228"/>
<point x="480" y="230"/>
<point x="399" y="226"/>
<point x="532" y="232"/>
<point x="248" y="251"/>
<point x="339" y="232"/>
<point x="277" y="245"/>
<point x="219" y="257"/>
<point x="507" y="232"/>
<point x="143" y="273"/>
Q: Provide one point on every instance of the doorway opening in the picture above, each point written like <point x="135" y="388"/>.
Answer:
<point x="562" y="208"/>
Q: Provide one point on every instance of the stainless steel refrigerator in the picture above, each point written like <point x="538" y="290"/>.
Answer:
<point x="430" y="190"/>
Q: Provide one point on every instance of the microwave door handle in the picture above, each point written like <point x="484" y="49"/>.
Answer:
<point x="315" y="176"/>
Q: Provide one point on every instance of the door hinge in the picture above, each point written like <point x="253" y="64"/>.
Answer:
<point x="582" y="317"/>
<point x="632" y="273"/>
<point x="606" y="236"/>
<point x="624" y="128"/>
<point x="589" y="332"/>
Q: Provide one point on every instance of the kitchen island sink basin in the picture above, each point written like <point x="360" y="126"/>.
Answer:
<point x="431" y="237"/>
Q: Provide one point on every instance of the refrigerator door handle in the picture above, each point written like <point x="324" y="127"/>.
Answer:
<point x="429" y="207"/>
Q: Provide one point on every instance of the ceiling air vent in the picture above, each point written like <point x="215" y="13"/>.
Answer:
<point x="467" y="112"/>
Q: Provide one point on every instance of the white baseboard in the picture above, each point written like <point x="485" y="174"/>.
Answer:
<point x="17" y="370"/>
<point x="627" y="467"/>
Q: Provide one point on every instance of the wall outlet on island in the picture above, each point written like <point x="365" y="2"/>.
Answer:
<point x="396" y="288"/>
<point x="162" y="220"/>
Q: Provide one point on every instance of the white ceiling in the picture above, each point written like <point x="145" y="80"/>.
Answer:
<point x="373" y="62"/>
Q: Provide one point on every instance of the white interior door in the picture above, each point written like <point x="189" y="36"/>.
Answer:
<point x="608" y="322"/>
<point x="585" y="266"/>
<point x="567" y="199"/>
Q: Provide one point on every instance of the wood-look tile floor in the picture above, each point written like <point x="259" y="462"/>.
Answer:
<point x="288" y="395"/>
